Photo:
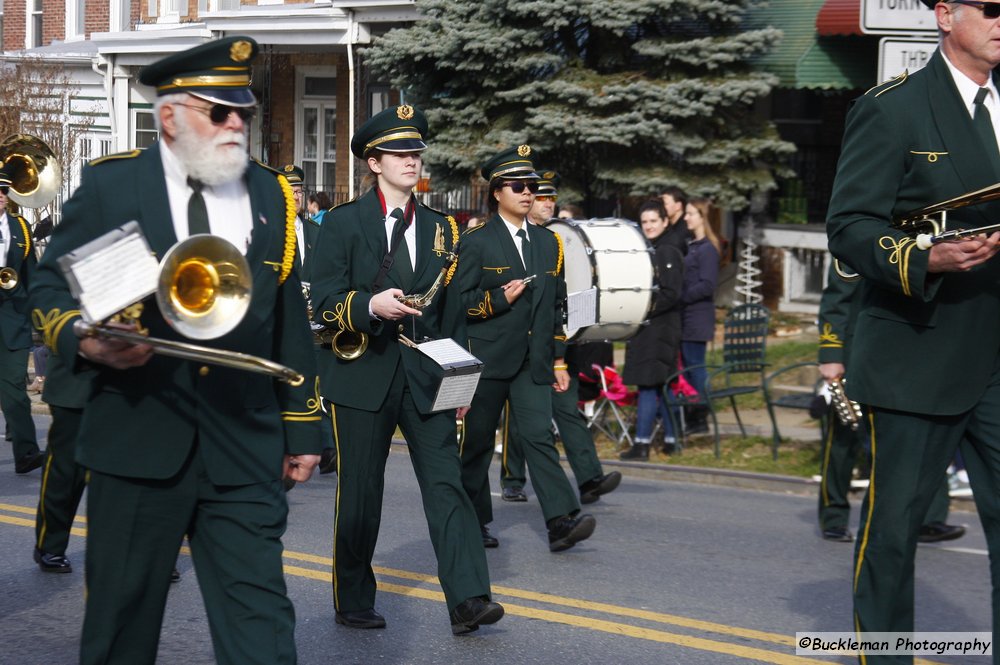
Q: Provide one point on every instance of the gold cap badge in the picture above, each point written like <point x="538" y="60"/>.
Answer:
<point x="548" y="175"/>
<point x="404" y="112"/>
<point x="240" y="51"/>
<point x="523" y="150"/>
<point x="289" y="168"/>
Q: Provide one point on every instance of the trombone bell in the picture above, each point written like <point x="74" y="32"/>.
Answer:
<point x="204" y="288"/>
<point x="8" y="278"/>
<point x="34" y="171"/>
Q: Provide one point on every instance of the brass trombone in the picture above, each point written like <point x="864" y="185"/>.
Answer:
<point x="203" y="292"/>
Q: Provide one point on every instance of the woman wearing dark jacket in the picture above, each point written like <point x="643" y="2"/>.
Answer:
<point x="651" y="356"/>
<point x="701" y="276"/>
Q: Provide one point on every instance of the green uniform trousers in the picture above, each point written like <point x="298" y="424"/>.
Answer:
<point x="530" y="406"/>
<point x="135" y="529"/>
<point x="841" y="448"/>
<point x="14" y="401"/>
<point x="576" y="439"/>
<point x="909" y="454"/>
<point x="363" y="439"/>
<point x="63" y="482"/>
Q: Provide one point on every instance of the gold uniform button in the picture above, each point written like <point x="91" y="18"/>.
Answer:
<point x="400" y="328"/>
<point x="529" y="333"/>
<point x="203" y="370"/>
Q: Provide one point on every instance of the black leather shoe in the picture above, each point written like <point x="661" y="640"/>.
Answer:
<point x="175" y="576"/>
<point x="473" y="613"/>
<point x="515" y="494"/>
<point x="567" y="531"/>
<point x="489" y="540"/>
<point x="838" y="534"/>
<point x="29" y="462"/>
<point x="935" y="532"/>
<point x="328" y="461"/>
<point x="638" y="451"/>
<point x="592" y="490"/>
<point x="52" y="563"/>
<point x="362" y="619"/>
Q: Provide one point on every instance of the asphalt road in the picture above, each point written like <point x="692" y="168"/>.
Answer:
<point x="675" y="573"/>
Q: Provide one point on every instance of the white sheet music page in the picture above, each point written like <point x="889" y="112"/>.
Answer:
<point x="115" y="276"/>
<point x="581" y="309"/>
<point x="456" y="391"/>
<point x="446" y="352"/>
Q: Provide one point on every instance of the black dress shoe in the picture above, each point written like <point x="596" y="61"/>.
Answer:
<point x="639" y="451"/>
<point x="935" y="532"/>
<point x="838" y="534"/>
<point x="175" y="576"/>
<point x="361" y="619"/>
<point x="29" y="462"/>
<point x="566" y="531"/>
<point x="489" y="540"/>
<point x="473" y="613"/>
<point x="514" y="494"/>
<point x="52" y="563"/>
<point x="592" y="490"/>
<point x="328" y="461"/>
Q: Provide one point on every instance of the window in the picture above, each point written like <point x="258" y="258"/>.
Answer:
<point x="1" y="25"/>
<point x="74" y="19"/>
<point x="121" y="16"/>
<point x="145" y="129"/>
<point x="34" y="23"/>
<point x="316" y="127"/>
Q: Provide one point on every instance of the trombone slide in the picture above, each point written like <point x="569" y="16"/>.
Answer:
<point x="195" y="352"/>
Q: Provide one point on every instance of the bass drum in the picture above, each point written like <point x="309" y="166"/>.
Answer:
<point x="612" y="256"/>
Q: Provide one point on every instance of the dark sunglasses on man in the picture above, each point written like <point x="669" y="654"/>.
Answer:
<point x="219" y="113"/>
<point x="989" y="9"/>
<point x="517" y="186"/>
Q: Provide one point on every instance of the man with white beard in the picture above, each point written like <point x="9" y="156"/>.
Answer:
<point x="174" y="447"/>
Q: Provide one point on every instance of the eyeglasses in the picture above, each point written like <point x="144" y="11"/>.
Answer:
<point x="219" y="113"/>
<point x="517" y="186"/>
<point x="989" y="9"/>
<point x="546" y="198"/>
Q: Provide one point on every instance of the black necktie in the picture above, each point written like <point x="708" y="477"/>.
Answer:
<point x="984" y="126"/>
<point x="525" y="250"/>
<point x="401" y="258"/>
<point x="197" y="212"/>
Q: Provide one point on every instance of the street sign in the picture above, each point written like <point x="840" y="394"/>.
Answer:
<point x="896" y="55"/>
<point x="890" y="17"/>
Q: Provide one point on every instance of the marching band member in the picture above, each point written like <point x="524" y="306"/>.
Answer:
<point x="383" y="245"/>
<point x="516" y="328"/>
<point x="173" y="447"/>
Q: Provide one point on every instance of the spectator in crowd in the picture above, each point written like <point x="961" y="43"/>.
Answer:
<point x="701" y="276"/>
<point x="317" y="204"/>
<point x="651" y="356"/>
<point x="571" y="211"/>
<point x="674" y="201"/>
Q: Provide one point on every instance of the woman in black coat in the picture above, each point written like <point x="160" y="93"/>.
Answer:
<point x="651" y="356"/>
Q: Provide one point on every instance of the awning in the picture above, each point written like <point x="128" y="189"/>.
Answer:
<point x="839" y="17"/>
<point x="806" y="59"/>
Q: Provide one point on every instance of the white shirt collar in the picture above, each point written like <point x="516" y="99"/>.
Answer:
<point x="511" y="228"/>
<point x="967" y="88"/>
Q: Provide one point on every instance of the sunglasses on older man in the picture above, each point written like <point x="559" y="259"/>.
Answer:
<point x="989" y="9"/>
<point x="518" y="186"/>
<point x="219" y="113"/>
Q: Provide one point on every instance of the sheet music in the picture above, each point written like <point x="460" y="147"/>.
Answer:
<point x="581" y="309"/>
<point x="114" y="277"/>
<point x="456" y="391"/>
<point x="446" y="352"/>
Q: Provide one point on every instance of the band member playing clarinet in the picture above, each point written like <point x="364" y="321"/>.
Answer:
<point x="371" y="252"/>
<point x="925" y="361"/>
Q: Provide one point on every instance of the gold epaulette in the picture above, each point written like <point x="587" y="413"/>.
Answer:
<point x="118" y="155"/>
<point x="339" y="205"/>
<point x="886" y="86"/>
<point x="269" y="168"/>
<point x="424" y="205"/>
<point x="467" y="231"/>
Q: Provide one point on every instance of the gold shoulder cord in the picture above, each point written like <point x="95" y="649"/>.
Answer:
<point x="27" y="236"/>
<point x="291" y="242"/>
<point x="454" y="241"/>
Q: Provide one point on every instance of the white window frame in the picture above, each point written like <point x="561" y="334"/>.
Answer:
<point x="119" y="16"/>
<point x="75" y="16"/>
<point x="29" y="28"/>
<point x="321" y="103"/>
<point x="134" y="138"/>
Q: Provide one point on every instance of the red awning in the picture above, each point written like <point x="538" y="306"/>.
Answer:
<point x="839" y="17"/>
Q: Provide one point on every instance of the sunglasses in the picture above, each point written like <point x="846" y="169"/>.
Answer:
<point x="989" y="9"/>
<point x="518" y="186"/>
<point x="548" y="197"/>
<point x="219" y="113"/>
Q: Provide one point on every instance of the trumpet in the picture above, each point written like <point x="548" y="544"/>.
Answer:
<point x="930" y="222"/>
<point x="203" y="292"/>
<point x="8" y="278"/>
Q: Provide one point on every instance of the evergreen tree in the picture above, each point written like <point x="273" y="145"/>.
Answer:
<point x="621" y="97"/>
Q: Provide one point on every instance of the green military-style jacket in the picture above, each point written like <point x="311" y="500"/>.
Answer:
<point x="15" y="319"/>
<point x="910" y="143"/>
<point x="143" y="422"/>
<point x="501" y="334"/>
<point x="352" y="244"/>
<point x="310" y="231"/>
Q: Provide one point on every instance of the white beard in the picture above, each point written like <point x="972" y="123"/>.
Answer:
<point x="207" y="160"/>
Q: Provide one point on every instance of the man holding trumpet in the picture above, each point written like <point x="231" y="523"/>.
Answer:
<point x="175" y="447"/>
<point x="925" y="361"/>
